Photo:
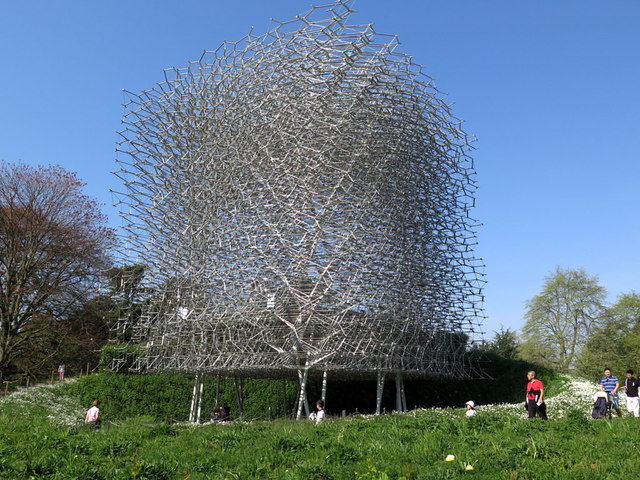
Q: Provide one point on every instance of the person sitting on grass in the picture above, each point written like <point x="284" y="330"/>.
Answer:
<point x="93" y="415"/>
<point x="216" y="415"/>
<point x="225" y="412"/>
<point x="318" y="415"/>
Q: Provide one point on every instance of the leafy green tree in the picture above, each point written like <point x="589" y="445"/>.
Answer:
<point x="504" y="343"/>
<point x="126" y="283"/>
<point x="562" y="317"/>
<point x="79" y="336"/>
<point x="129" y="294"/>
<point x="75" y="340"/>
<point x="617" y="343"/>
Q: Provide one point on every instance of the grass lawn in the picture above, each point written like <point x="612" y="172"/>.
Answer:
<point x="41" y="436"/>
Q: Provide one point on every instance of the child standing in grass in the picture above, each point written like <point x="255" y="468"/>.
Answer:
<point x="320" y="413"/>
<point x="93" y="414"/>
<point x="471" y="409"/>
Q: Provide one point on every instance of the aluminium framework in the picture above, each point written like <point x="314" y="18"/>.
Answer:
<point x="301" y="202"/>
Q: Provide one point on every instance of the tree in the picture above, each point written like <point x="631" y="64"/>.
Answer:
<point x="504" y="343"/>
<point x="617" y="343"/>
<point x="561" y="318"/>
<point x="76" y="339"/>
<point x="53" y="250"/>
<point x="126" y="287"/>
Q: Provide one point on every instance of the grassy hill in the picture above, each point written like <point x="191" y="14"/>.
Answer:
<point x="42" y="436"/>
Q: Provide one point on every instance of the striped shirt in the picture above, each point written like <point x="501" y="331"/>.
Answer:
<point x="609" y="383"/>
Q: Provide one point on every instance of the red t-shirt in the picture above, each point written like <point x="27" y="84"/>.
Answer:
<point x="534" y="388"/>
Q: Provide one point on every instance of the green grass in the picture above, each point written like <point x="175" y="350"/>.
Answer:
<point x="41" y="436"/>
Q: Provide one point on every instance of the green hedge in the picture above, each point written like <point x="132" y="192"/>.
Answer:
<point x="167" y="397"/>
<point x="504" y="382"/>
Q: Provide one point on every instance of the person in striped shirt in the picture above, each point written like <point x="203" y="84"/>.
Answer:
<point x="611" y="386"/>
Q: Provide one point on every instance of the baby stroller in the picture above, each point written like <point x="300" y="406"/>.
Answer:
<point x="601" y="405"/>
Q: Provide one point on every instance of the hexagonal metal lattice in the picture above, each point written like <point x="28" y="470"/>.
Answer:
<point x="301" y="201"/>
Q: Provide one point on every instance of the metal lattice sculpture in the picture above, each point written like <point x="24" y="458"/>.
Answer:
<point x="301" y="200"/>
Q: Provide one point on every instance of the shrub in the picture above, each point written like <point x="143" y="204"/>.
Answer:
<point x="167" y="397"/>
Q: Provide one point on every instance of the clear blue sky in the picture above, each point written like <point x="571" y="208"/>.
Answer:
<point x="551" y="90"/>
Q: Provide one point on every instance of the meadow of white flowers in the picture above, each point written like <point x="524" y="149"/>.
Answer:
<point x="61" y="410"/>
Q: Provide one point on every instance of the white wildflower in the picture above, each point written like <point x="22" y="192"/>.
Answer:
<point x="62" y="410"/>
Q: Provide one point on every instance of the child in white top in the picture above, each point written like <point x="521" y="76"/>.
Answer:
<point x="93" y="414"/>
<point x="471" y="409"/>
<point x="320" y="414"/>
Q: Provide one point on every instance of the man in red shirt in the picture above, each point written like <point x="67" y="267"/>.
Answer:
<point x="535" y="397"/>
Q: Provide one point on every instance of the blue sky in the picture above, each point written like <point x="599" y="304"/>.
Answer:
<point x="551" y="90"/>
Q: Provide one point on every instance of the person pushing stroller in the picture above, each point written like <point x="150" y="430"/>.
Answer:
<point x="611" y="386"/>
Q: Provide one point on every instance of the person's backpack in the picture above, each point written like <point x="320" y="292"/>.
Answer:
<point x="599" y="408"/>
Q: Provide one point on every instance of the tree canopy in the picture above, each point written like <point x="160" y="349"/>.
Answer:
<point x="617" y="343"/>
<point x="54" y="246"/>
<point x="561" y="318"/>
<point x="504" y="343"/>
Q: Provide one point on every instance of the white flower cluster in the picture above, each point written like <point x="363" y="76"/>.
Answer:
<point x="433" y="412"/>
<point x="61" y="410"/>
<point x="576" y="393"/>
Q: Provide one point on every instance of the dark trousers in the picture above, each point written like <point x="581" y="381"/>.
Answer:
<point x="533" y="408"/>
